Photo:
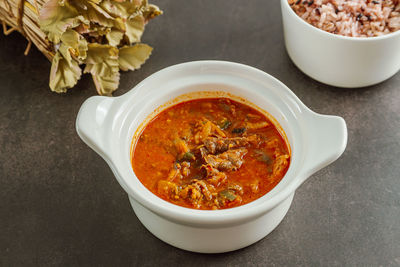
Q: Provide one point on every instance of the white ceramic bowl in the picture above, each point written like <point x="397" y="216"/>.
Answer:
<point x="108" y="125"/>
<point x="338" y="60"/>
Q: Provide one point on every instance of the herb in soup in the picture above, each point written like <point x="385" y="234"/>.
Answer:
<point x="210" y="154"/>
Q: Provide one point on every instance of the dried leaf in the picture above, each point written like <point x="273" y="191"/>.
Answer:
<point x="56" y="17"/>
<point x="150" y="12"/>
<point x="64" y="73"/>
<point x="102" y="63"/>
<point x="122" y="9"/>
<point x="134" y="28"/>
<point x="83" y="28"/>
<point x="114" y="37"/>
<point x="101" y="59"/>
<point x="75" y="44"/>
<point x="95" y="13"/>
<point x="97" y="31"/>
<point x="132" y="57"/>
<point x="106" y="85"/>
<point x="90" y="32"/>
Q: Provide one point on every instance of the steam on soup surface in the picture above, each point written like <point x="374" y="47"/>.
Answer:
<point x="212" y="153"/>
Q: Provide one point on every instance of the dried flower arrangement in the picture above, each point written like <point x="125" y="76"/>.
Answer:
<point x="104" y="35"/>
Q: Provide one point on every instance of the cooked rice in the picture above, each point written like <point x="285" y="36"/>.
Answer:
<point x="356" y="18"/>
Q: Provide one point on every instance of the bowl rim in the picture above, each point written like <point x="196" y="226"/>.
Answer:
<point x="285" y="3"/>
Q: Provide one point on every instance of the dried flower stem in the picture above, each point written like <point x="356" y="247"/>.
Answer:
<point x="23" y="16"/>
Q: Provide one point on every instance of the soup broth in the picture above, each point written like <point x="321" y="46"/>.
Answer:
<point x="209" y="154"/>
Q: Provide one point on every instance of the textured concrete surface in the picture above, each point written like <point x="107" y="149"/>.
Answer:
<point x="61" y="206"/>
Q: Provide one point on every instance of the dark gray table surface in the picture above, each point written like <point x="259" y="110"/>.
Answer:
<point x="60" y="204"/>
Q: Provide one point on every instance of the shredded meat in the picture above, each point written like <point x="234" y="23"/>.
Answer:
<point x="255" y="140"/>
<point x="256" y="125"/>
<point x="205" y="129"/>
<point x="214" y="145"/>
<point x="181" y="146"/>
<point x="203" y="151"/>
<point x="185" y="168"/>
<point x="196" y="191"/>
<point x="218" y="179"/>
<point x="218" y="145"/>
<point x="253" y="116"/>
<point x="203" y="187"/>
<point x="167" y="189"/>
<point x="192" y="194"/>
<point x="214" y="176"/>
<point x="280" y="164"/>
<point x="230" y="160"/>
<point x="175" y="173"/>
<point x="210" y="170"/>
<point x="274" y="143"/>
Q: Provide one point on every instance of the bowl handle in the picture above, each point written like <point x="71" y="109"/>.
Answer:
<point x="90" y="120"/>
<point x="326" y="140"/>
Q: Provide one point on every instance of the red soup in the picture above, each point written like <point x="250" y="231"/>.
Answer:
<point x="212" y="153"/>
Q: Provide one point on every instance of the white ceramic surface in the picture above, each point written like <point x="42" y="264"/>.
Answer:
<point x="108" y="125"/>
<point x="338" y="60"/>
